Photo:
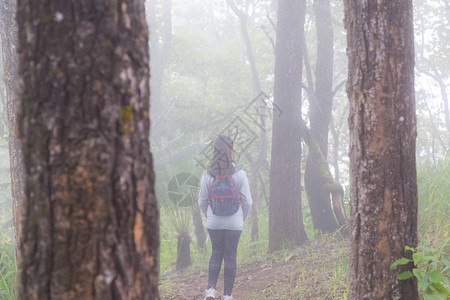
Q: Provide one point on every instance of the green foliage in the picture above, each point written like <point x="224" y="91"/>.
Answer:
<point x="434" y="202"/>
<point x="434" y="196"/>
<point x="8" y="268"/>
<point x="429" y="269"/>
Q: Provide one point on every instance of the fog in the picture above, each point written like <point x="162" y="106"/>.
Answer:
<point x="208" y="88"/>
<point x="213" y="73"/>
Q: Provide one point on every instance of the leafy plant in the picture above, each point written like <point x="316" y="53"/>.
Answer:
<point x="8" y="270"/>
<point x="429" y="271"/>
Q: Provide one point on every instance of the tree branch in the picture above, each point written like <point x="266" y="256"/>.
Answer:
<point x="269" y="37"/>
<point x="338" y="87"/>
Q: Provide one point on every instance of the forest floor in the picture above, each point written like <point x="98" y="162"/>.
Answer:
<point x="315" y="270"/>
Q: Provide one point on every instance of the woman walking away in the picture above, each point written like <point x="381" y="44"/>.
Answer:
<point x="225" y="200"/>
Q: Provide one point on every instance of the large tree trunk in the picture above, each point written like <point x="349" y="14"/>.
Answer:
<point x="91" y="228"/>
<point x="286" y="228"/>
<point x="382" y="125"/>
<point x="8" y="31"/>
<point x="319" y="116"/>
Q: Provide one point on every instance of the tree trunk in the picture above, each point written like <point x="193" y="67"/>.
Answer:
<point x="329" y="185"/>
<point x="254" y="213"/>
<point x="243" y="19"/>
<point x="160" y="58"/>
<point x="8" y="31"/>
<point x="319" y="116"/>
<point x="443" y="87"/>
<point x="335" y="135"/>
<point x="183" y="251"/>
<point x="382" y="125"/>
<point x="261" y="115"/>
<point x="286" y="228"/>
<point x="198" y="227"/>
<point x="91" y="228"/>
<point x="444" y="96"/>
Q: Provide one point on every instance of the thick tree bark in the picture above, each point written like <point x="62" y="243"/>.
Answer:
<point x="382" y="125"/>
<point x="319" y="116"/>
<point x="286" y="228"/>
<point x="91" y="228"/>
<point x="8" y="31"/>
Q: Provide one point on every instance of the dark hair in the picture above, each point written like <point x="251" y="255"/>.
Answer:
<point x="222" y="162"/>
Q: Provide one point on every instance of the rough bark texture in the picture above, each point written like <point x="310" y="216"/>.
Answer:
<point x="285" y="208"/>
<point x="91" y="228"/>
<point x="319" y="116"/>
<point x="382" y="125"/>
<point x="8" y="31"/>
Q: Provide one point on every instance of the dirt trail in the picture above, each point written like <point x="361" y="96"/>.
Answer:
<point x="313" y="271"/>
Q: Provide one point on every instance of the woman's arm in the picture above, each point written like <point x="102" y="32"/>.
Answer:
<point x="203" y="196"/>
<point x="244" y="191"/>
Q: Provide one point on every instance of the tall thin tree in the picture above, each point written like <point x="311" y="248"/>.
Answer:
<point x="320" y="116"/>
<point x="285" y="208"/>
<point x="90" y="226"/>
<point x="382" y="125"/>
<point x="8" y="32"/>
<point x="160" y="48"/>
<point x="261" y="111"/>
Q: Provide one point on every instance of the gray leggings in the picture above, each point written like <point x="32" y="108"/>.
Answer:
<point x="224" y="247"/>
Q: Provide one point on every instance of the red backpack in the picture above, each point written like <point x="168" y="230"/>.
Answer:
<point x="224" y="198"/>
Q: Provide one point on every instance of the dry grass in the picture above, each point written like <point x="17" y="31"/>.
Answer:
<point x="316" y="270"/>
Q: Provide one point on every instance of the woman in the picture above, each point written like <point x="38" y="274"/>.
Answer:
<point x="224" y="230"/>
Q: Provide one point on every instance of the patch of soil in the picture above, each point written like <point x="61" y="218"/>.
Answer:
<point x="316" y="270"/>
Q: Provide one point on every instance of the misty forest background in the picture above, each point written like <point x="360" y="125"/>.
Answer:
<point x="212" y="67"/>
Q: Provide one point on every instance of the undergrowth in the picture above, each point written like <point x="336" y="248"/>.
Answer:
<point x="8" y="268"/>
<point x="330" y="276"/>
